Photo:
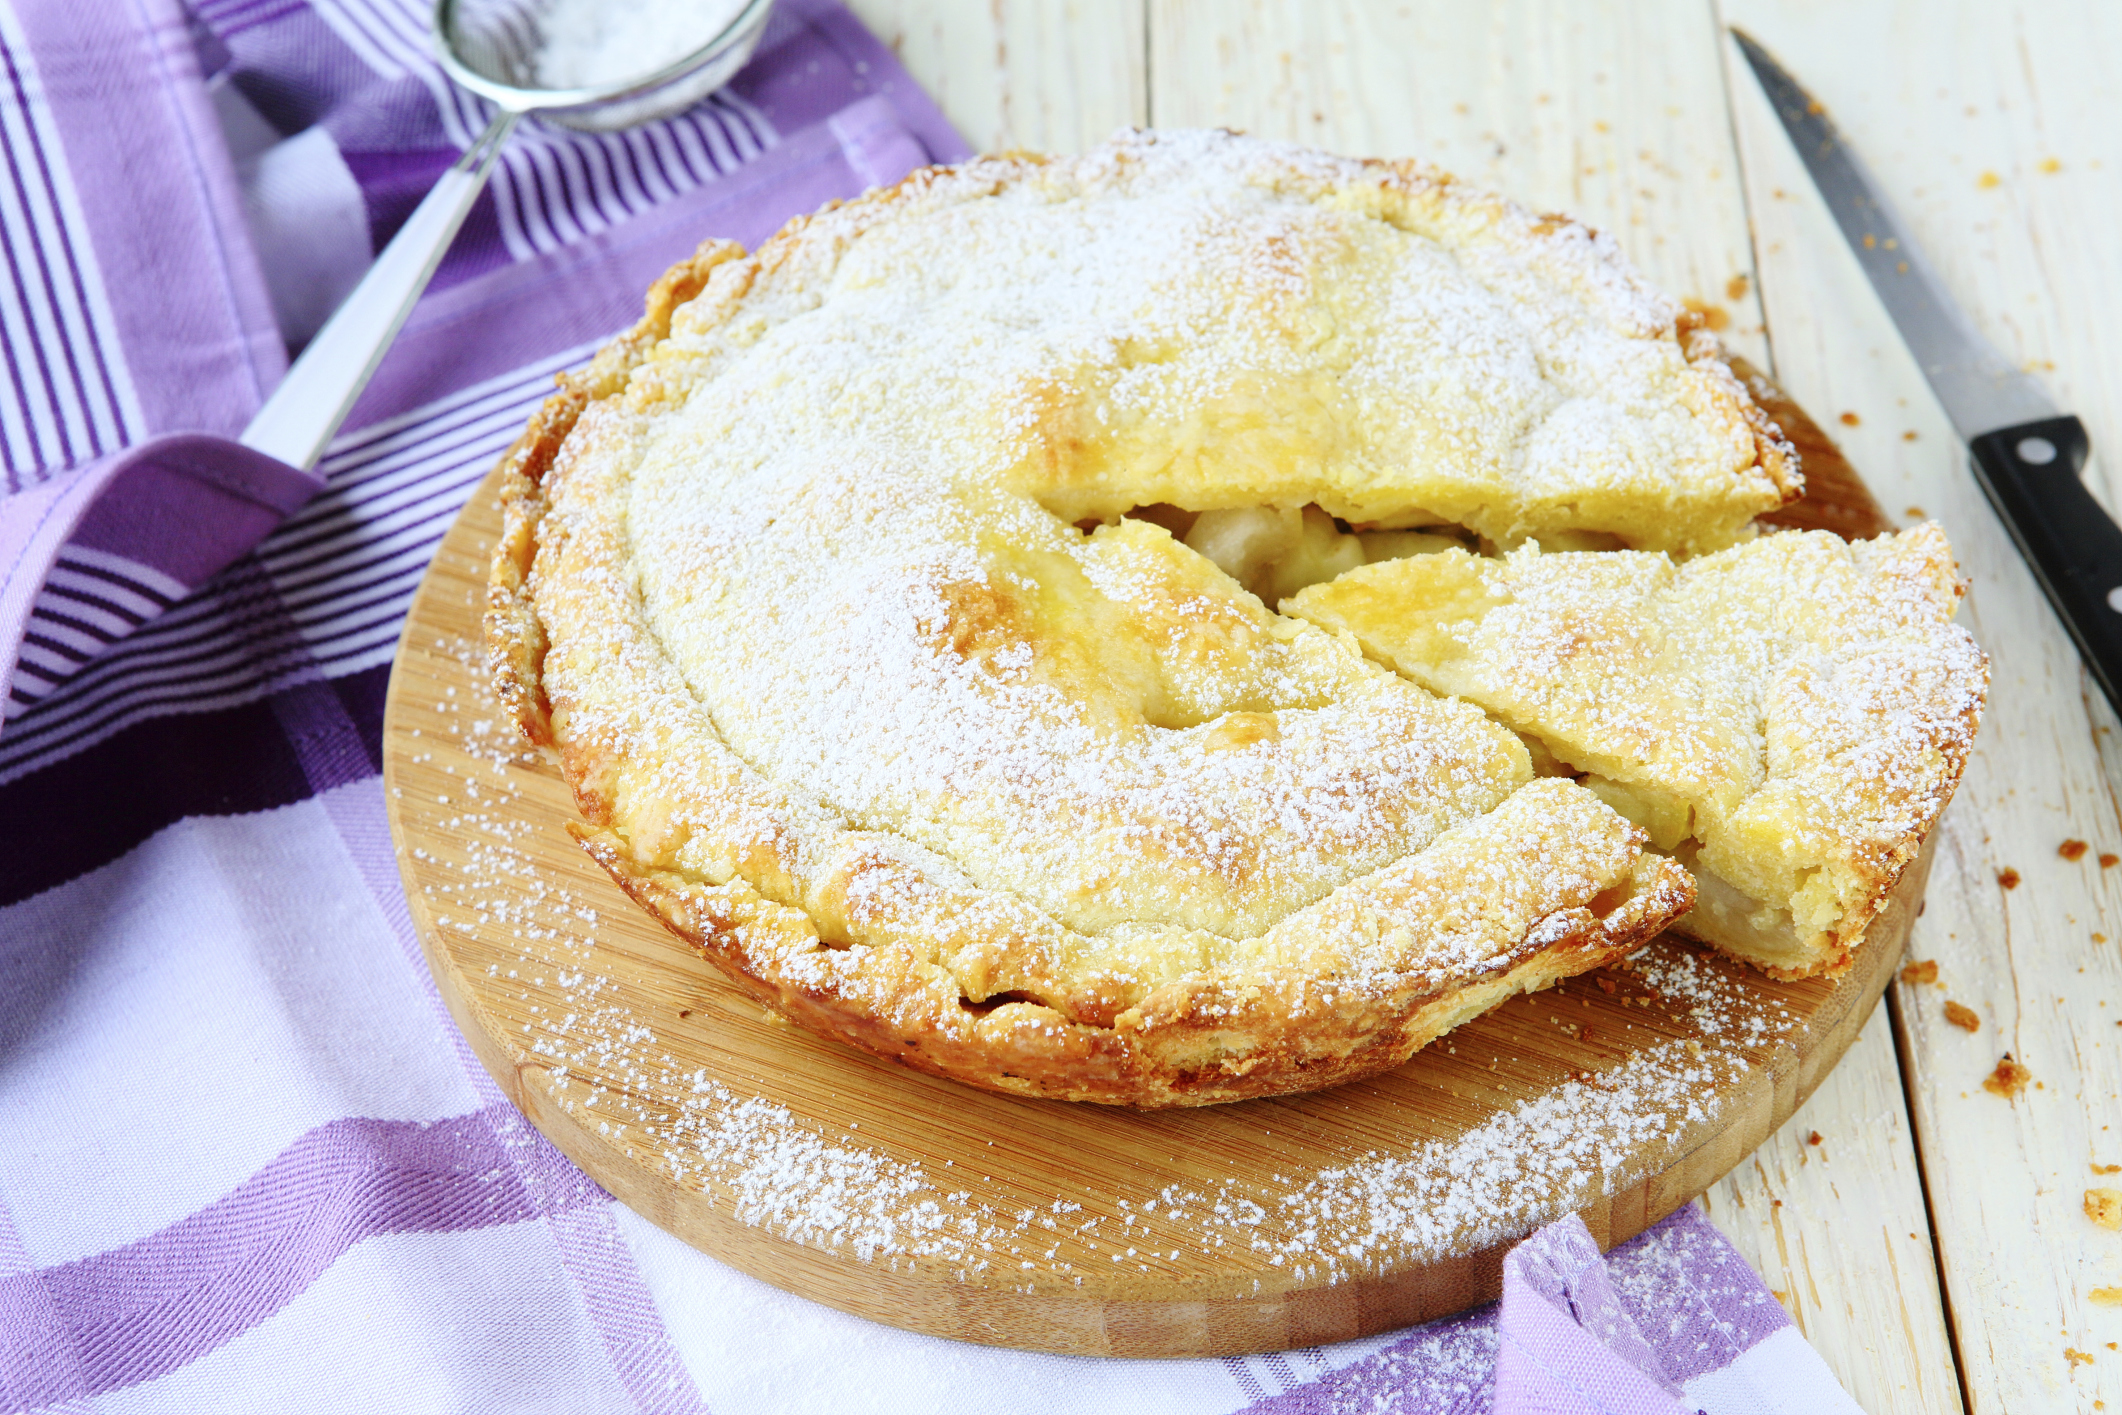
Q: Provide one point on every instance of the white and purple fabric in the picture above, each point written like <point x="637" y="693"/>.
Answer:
<point x="246" y="1162"/>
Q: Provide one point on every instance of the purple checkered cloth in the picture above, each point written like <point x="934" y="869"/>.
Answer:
<point x="246" y="1162"/>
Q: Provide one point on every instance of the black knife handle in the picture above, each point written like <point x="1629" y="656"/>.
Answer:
<point x="2030" y="473"/>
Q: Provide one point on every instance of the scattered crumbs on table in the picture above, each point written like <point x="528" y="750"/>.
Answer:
<point x="1910" y="436"/>
<point x="1850" y="420"/>
<point x="2049" y="164"/>
<point x="1814" y="1138"/>
<point x="2108" y="860"/>
<point x="2076" y="1357"/>
<point x="2072" y="849"/>
<point x="1736" y="287"/>
<point x="1988" y="179"/>
<point x="1965" y="1018"/>
<point x="2106" y="1296"/>
<point x="1923" y="971"/>
<point x="2107" y="1169"/>
<point x="2008" y="1079"/>
<point x="2104" y="1207"/>
<point x="2008" y="877"/>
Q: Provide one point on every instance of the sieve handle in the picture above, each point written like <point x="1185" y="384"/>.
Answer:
<point x="319" y="391"/>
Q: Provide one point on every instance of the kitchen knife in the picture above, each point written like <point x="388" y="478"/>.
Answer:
<point x="2027" y="453"/>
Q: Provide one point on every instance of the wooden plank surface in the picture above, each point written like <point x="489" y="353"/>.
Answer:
<point x="1048" y="75"/>
<point x="1992" y="128"/>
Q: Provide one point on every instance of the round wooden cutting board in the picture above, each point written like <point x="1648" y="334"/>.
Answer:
<point x="1073" y="1228"/>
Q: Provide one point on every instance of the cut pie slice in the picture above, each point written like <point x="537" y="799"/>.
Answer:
<point x="1787" y="717"/>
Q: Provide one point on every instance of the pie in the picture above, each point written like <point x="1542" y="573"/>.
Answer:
<point x="902" y="601"/>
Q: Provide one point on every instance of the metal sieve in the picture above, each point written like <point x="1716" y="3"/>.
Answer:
<point x="490" y="47"/>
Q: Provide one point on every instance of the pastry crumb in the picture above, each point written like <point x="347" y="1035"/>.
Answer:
<point x="1922" y="971"/>
<point x="2104" y="1207"/>
<point x="2008" y="1079"/>
<point x="2008" y="877"/>
<point x="1715" y="316"/>
<point x="2106" y="1296"/>
<point x="2072" y="849"/>
<point x="1965" y="1018"/>
<point x="1850" y="420"/>
<point x="1815" y="1138"/>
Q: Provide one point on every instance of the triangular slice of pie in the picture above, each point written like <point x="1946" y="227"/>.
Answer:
<point x="1787" y="717"/>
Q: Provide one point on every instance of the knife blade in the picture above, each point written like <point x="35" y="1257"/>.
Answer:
<point x="2027" y="453"/>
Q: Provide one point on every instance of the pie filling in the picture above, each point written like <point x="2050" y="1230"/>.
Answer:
<point x="1738" y="923"/>
<point x="1724" y="914"/>
<point x="1275" y="551"/>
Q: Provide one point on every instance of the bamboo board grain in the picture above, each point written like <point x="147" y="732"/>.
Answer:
<point x="1080" y="1229"/>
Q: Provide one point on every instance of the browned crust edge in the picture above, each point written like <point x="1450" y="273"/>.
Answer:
<point x="1027" y="1049"/>
<point x="1883" y="874"/>
<point x="515" y="639"/>
<point x="1773" y="452"/>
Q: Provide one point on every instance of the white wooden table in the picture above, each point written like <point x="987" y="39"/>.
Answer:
<point x="1928" y="1236"/>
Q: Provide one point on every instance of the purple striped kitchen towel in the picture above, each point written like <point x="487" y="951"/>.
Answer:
<point x="246" y="1161"/>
